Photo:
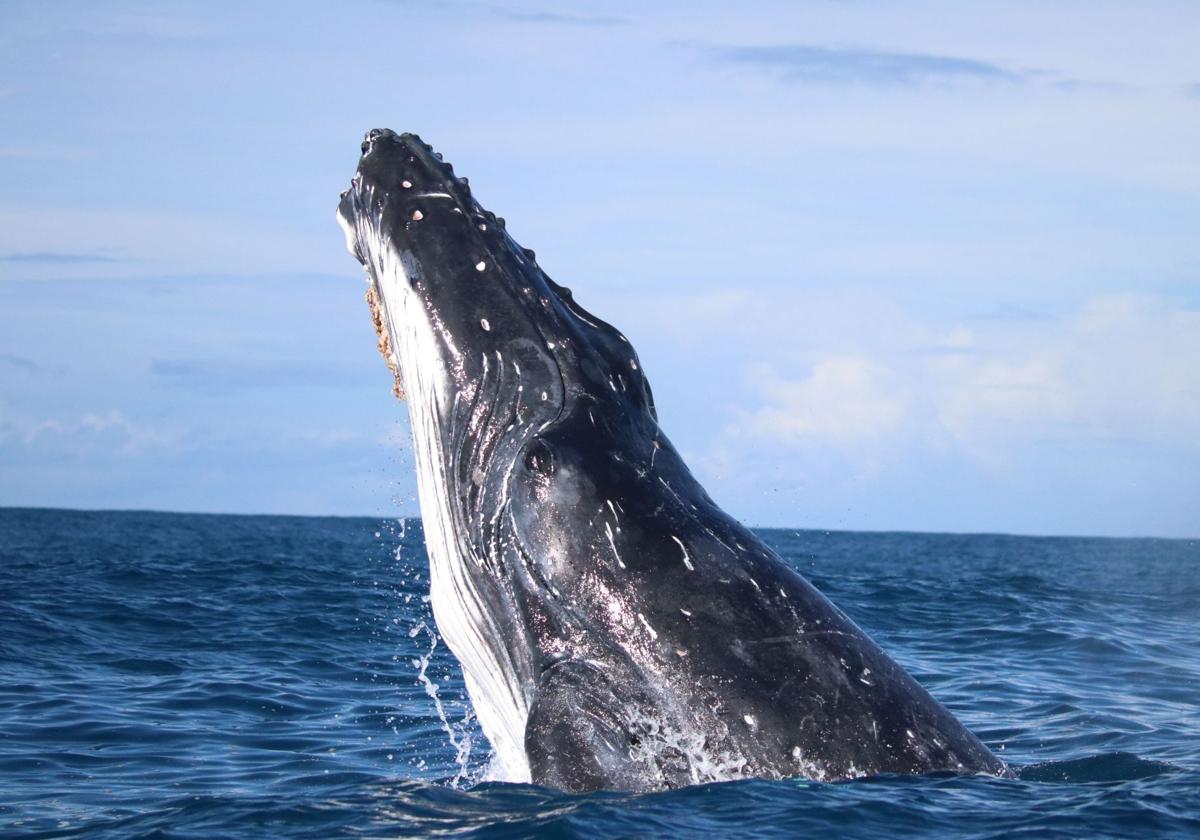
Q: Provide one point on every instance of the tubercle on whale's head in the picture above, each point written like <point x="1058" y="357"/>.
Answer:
<point x="398" y="176"/>
<point x="400" y="195"/>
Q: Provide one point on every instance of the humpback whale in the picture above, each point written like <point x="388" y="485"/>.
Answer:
<point x="616" y="629"/>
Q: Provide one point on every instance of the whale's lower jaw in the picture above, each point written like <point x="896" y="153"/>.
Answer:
<point x="462" y="620"/>
<point x="464" y="623"/>
<point x="499" y="704"/>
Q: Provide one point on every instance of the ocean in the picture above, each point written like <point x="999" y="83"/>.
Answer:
<point x="201" y="676"/>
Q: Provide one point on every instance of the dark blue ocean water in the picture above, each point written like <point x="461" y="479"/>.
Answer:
<point x="189" y="676"/>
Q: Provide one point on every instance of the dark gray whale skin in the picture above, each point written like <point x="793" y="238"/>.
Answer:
<point x="654" y="640"/>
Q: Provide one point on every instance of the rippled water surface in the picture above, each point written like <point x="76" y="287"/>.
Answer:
<point x="188" y="676"/>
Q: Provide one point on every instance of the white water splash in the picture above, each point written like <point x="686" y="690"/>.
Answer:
<point x="459" y="733"/>
<point x="451" y="703"/>
<point x="704" y="765"/>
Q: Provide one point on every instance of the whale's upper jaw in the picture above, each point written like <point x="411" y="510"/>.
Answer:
<point x="399" y="179"/>
<point x="438" y="262"/>
<point x="407" y="211"/>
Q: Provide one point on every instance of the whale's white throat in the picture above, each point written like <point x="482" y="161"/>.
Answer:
<point x="425" y="358"/>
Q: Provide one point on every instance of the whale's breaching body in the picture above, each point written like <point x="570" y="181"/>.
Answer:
<point x="616" y="629"/>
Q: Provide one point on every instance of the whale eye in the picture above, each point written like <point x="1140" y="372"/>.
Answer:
<point x="539" y="458"/>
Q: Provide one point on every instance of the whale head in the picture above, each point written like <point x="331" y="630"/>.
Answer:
<point x="447" y="269"/>
<point x="523" y="406"/>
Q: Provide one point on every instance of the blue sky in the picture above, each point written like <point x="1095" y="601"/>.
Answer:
<point x="889" y="265"/>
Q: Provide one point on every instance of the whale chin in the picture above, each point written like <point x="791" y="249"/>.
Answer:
<point x="615" y="627"/>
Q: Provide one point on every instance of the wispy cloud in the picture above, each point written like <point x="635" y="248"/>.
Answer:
<point x="110" y="432"/>
<point x="40" y="151"/>
<point x="521" y="15"/>
<point x="224" y="375"/>
<point x="54" y="258"/>
<point x="155" y="242"/>
<point x="1068" y="85"/>
<point x="1192" y="91"/>
<point x="542" y="16"/>
<point x="807" y="63"/>
<point x="11" y="360"/>
<point x="150" y="26"/>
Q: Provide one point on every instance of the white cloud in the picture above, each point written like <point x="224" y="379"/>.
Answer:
<point x="1120" y="370"/>
<point x="845" y="401"/>
<point x="110" y="431"/>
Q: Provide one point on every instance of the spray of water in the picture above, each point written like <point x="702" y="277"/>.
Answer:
<point x="459" y="732"/>
<point x="451" y="704"/>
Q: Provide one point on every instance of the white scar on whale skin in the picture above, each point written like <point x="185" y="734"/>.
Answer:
<point x="466" y="626"/>
<point x="613" y="545"/>
<point x="687" y="561"/>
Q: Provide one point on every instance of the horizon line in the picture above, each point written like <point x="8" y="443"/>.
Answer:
<point x="810" y="529"/>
